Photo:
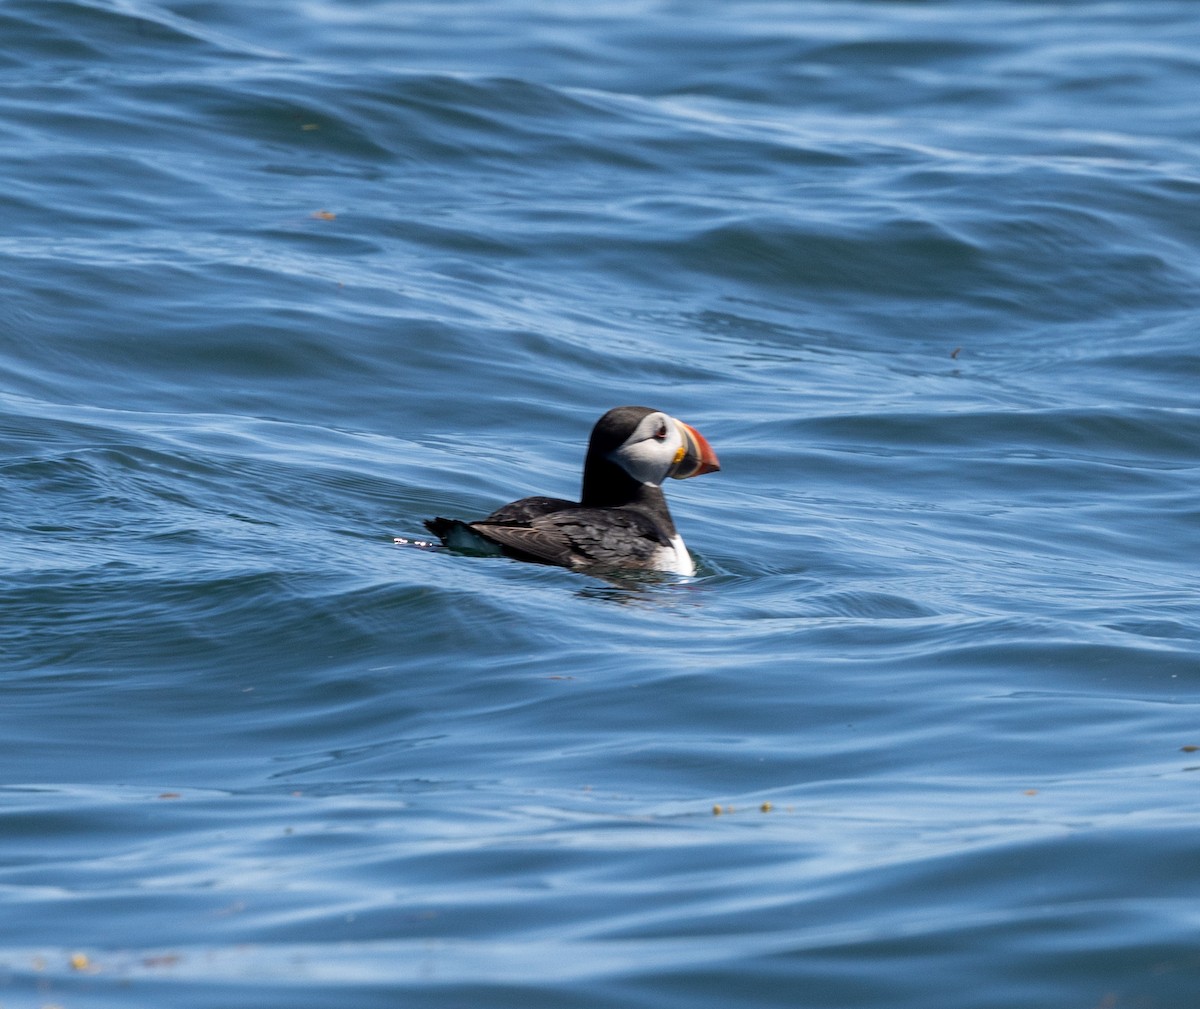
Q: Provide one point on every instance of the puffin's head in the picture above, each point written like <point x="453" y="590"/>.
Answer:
<point x="651" y="445"/>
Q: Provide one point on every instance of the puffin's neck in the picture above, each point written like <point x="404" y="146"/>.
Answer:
<point x="607" y="485"/>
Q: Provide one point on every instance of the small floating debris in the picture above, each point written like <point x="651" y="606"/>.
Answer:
<point x="764" y="807"/>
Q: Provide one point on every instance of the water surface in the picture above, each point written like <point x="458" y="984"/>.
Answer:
<point x="282" y="280"/>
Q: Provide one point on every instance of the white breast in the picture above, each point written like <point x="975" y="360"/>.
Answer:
<point x="676" y="558"/>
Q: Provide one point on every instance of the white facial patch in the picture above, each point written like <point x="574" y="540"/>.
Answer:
<point x="645" y="456"/>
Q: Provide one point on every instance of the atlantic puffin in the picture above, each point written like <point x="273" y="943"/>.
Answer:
<point x="621" y="520"/>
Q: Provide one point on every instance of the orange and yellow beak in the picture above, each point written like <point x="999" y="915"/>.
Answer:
<point x="695" y="456"/>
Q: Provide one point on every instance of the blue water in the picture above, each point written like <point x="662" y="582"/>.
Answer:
<point x="281" y="280"/>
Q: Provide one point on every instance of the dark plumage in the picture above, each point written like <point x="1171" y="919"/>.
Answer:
<point x="621" y="519"/>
